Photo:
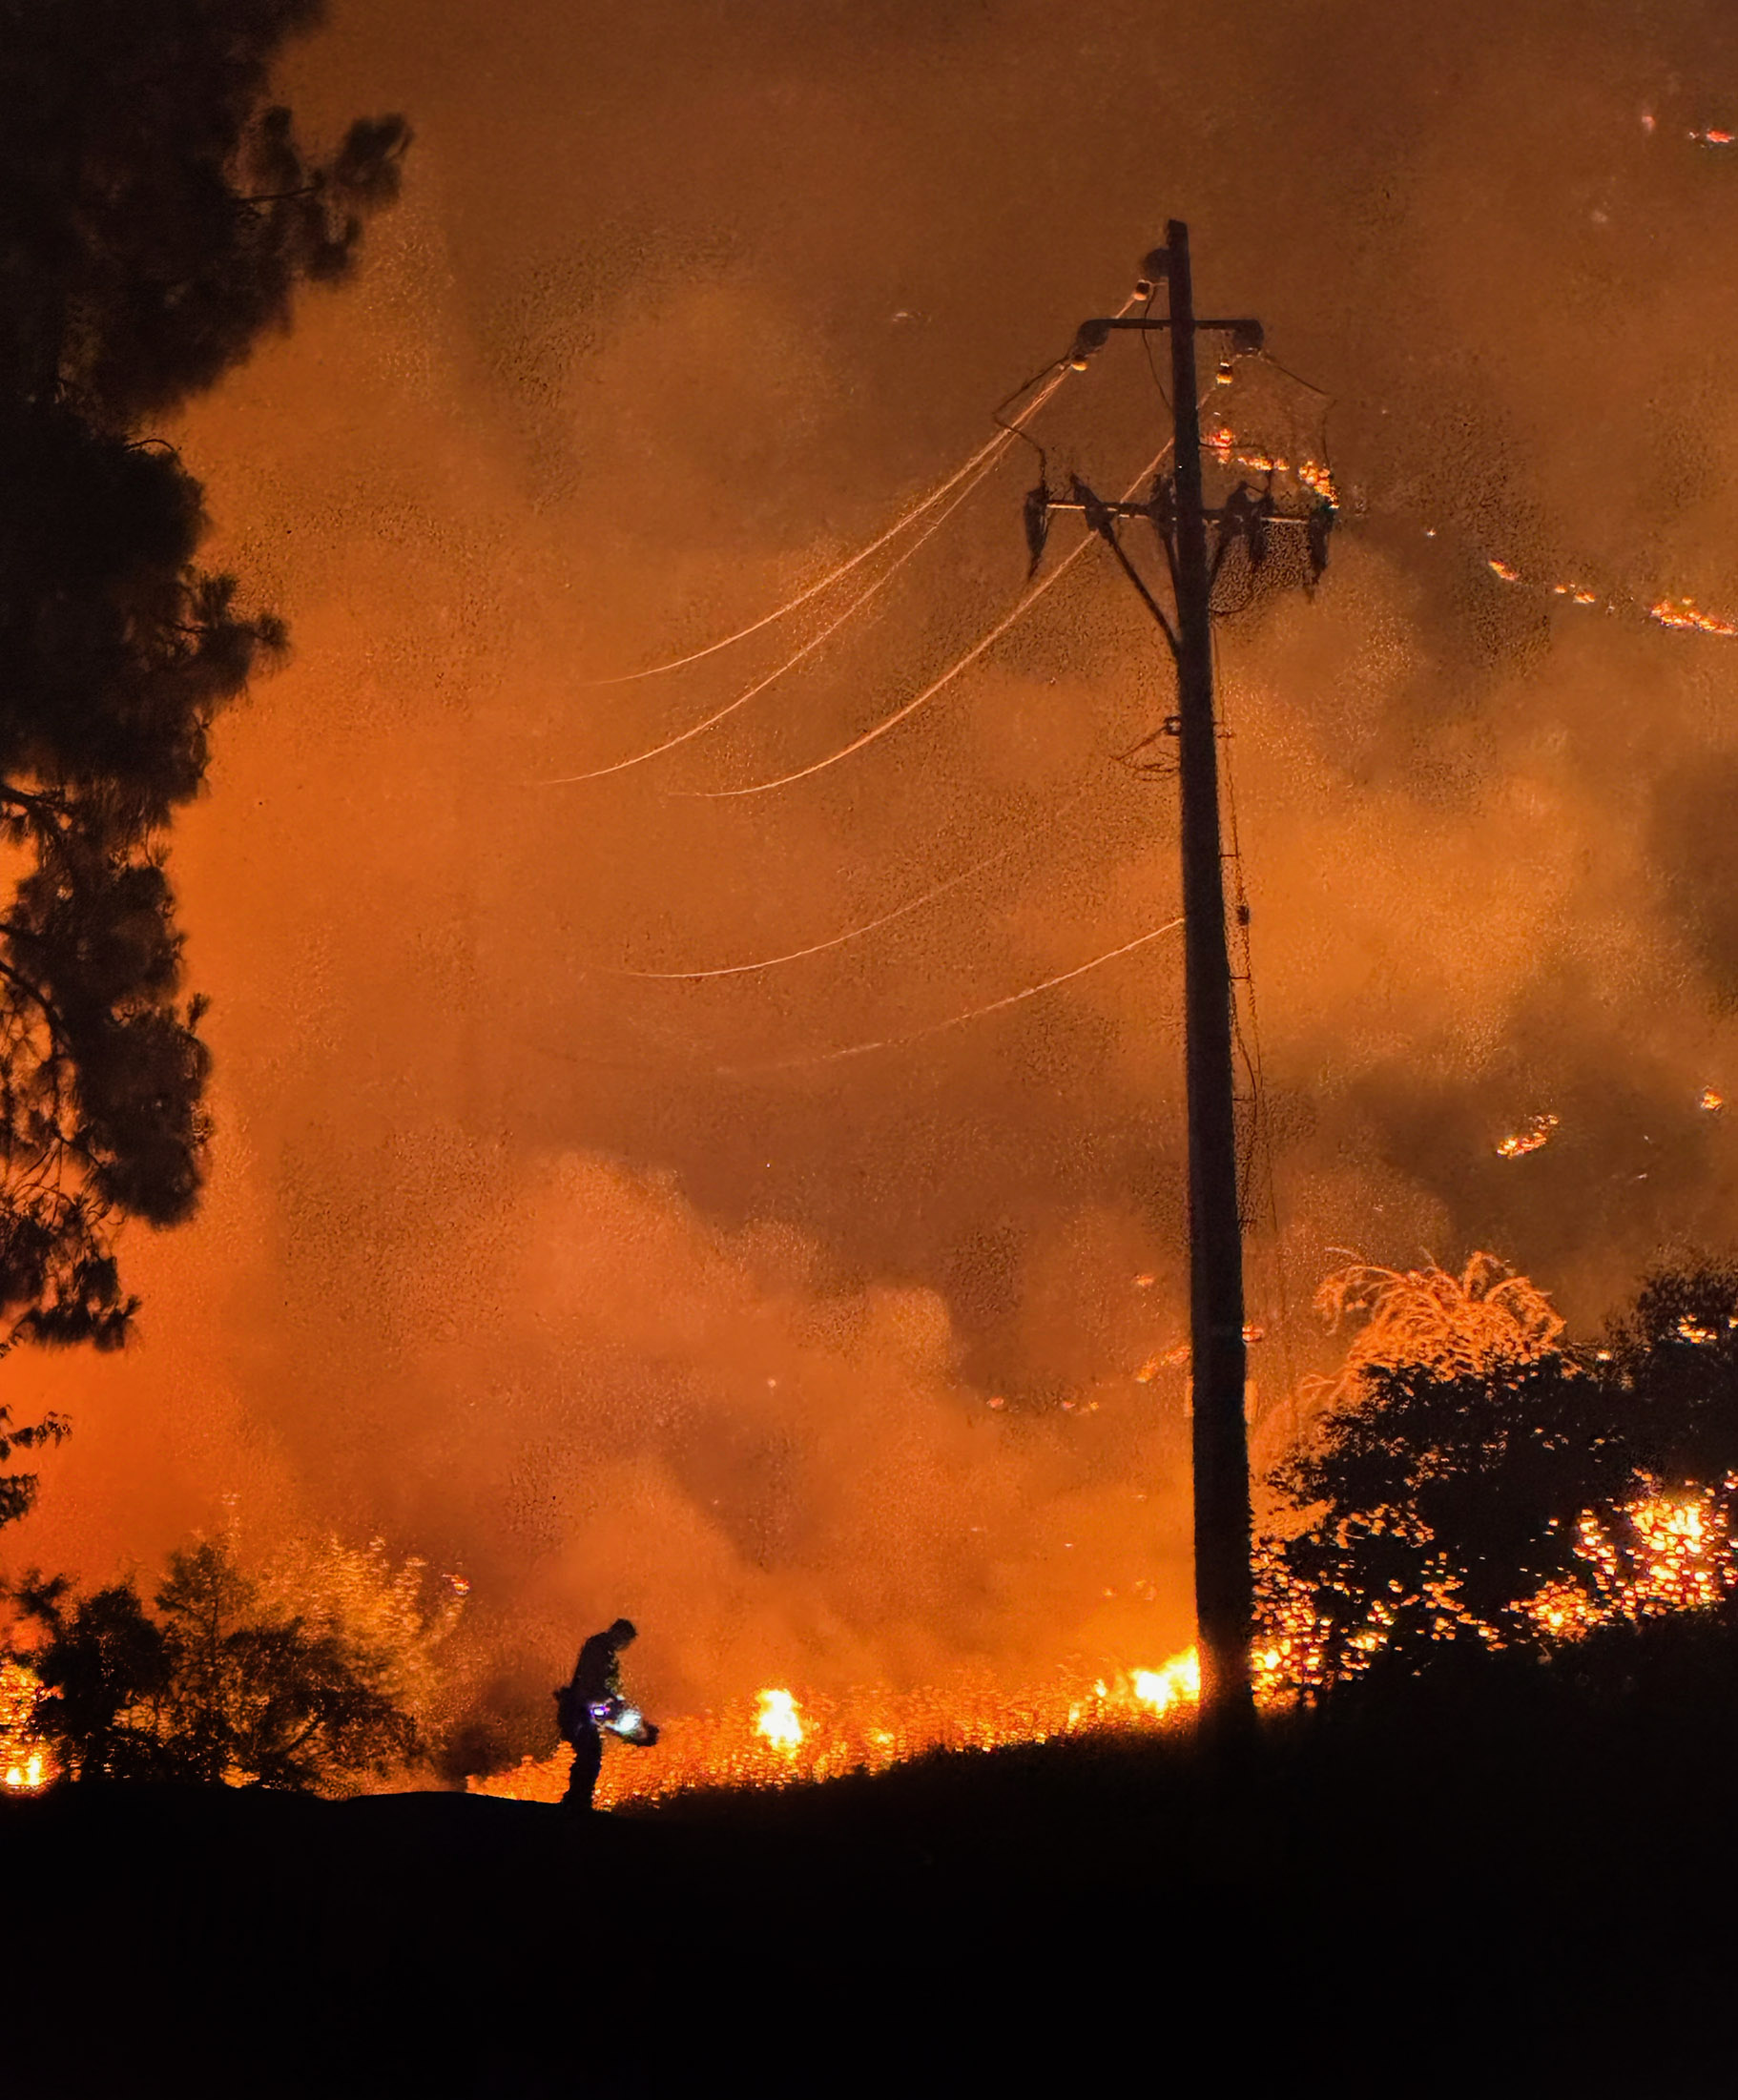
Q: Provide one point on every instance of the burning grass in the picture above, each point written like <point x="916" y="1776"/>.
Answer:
<point x="781" y="1738"/>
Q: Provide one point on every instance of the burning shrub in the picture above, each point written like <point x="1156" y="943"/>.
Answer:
<point x="1475" y="1478"/>
<point x="236" y="1679"/>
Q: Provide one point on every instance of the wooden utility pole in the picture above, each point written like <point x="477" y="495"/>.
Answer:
<point x="1223" y="1583"/>
<point x="1224" y="1579"/>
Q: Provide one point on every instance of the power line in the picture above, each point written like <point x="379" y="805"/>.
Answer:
<point x="954" y="1021"/>
<point x="808" y="649"/>
<point x="1005" y="432"/>
<point x="856" y="932"/>
<point x="995" y="445"/>
<point x="1297" y="379"/>
<point x="892" y="722"/>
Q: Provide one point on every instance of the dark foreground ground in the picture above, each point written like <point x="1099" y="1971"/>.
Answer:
<point x="1514" y="1887"/>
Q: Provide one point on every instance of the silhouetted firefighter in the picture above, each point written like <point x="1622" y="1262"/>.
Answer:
<point x="590" y="1705"/>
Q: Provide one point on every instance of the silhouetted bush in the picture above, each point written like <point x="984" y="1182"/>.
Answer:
<point x="217" y="1686"/>
<point x="1519" y="1505"/>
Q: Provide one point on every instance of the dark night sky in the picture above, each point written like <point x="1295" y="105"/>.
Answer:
<point x="683" y="303"/>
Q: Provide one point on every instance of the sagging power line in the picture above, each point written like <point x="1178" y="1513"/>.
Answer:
<point x="914" y="904"/>
<point x="1008" y="431"/>
<point x="801" y="655"/>
<point x="903" y="714"/>
<point x="954" y="1021"/>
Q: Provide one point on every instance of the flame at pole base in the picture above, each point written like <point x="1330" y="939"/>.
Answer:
<point x="1177" y="1684"/>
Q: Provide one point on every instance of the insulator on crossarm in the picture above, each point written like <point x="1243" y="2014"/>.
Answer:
<point x="1092" y="509"/>
<point x="1091" y="336"/>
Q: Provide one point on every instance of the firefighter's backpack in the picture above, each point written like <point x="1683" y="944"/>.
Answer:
<point x="570" y="1713"/>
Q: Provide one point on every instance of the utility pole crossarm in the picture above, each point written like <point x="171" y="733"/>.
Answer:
<point x="1245" y="333"/>
<point x="1244" y="326"/>
<point x="1145" y="510"/>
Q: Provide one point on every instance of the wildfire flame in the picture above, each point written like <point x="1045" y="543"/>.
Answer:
<point x="24" y="1768"/>
<point x="778" y="1722"/>
<point x="867" y="1730"/>
<point x="1678" y="1561"/>
<point x="1518" y="1144"/>
<point x="1177" y="1683"/>
<point x="1314" y="474"/>
<point x="1683" y="612"/>
<point x="27" y="1778"/>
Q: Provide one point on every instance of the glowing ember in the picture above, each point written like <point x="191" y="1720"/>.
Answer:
<point x="778" y="1722"/>
<point x="1501" y="568"/>
<point x="1710" y="1100"/>
<point x="1676" y="1557"/>
<point x="1683" y="612"/>
<point x="1314" y="474"/>
<point x="1518" y="1144"/>
<point x="28" y="1777"/>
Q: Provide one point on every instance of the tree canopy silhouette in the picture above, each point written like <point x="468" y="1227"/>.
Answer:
<point x="157" y="217"/>
<point x="307" y="1676"/>
<point x="1511" y="1495"/>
